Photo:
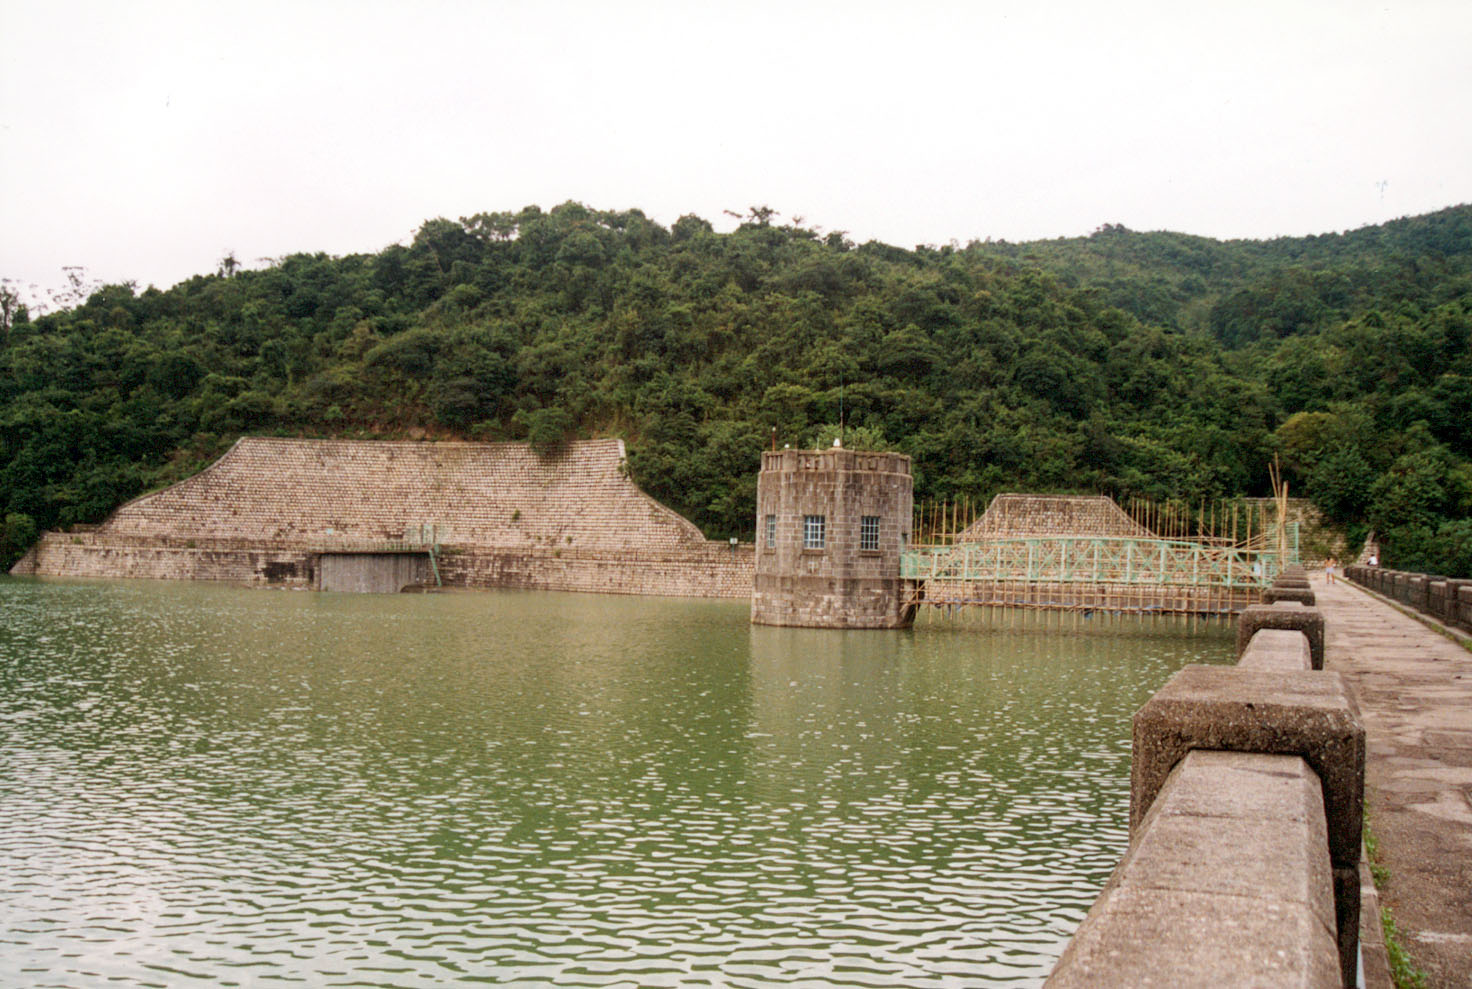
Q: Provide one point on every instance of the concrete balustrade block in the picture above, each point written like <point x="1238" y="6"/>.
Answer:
<point x="1448" y="605"/>
<point x="1227" y="884"/>
<point x="1417" y="587"/>
<point x="1436" y="600"/>
<point x="1276" y="649"/>
<point x="1238" y="824"/>
<point x="1289" y="615"/>
<point x="1402" y="584"/>
<point x="1274" y="595"/>
<point x="1310" y="714"/>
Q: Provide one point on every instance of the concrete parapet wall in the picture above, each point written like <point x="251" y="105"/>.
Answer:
<point x="1246" y="807"/>
<point x="1436" y="599"/>
<point x="1309" y="714"/>
<point x="1277" y="649"/>
<point x="1447" y="601"/>
<point x="1227" y="883"/>
<point x="1418" y="592"/>
<point x="1402" y="588"/>
<point x="1276" y="594"/>
<point x="1288" y="615"/>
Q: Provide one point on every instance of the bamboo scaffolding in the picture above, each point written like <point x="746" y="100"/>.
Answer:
<point x="1202" y="559"/>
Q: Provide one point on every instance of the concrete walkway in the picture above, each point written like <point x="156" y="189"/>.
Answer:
<point x="1414" y="688"/>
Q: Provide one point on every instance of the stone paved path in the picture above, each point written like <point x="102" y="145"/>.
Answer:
<point x="1414" y="689"/>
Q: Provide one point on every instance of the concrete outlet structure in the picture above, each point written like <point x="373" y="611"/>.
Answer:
<point x="830" y="527"/>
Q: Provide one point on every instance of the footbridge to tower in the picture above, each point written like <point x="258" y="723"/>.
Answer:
<point x="1077" y="553"/>
<point x="1091" y="573"/>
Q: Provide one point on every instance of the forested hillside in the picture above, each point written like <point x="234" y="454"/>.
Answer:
<point x="1159" y="365"/>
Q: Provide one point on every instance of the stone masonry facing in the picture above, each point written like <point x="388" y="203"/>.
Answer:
<point x="500" y="514"/>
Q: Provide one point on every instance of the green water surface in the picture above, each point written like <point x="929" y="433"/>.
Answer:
<point x="210" y="786"/>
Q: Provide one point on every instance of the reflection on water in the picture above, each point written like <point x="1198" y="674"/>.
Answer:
<point x="201" y="784"/>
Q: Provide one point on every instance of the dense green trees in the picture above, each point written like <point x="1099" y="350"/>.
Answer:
<point x="1153" y="364"/>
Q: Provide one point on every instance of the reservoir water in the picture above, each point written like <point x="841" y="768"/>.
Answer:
<point x="210" y="786"/>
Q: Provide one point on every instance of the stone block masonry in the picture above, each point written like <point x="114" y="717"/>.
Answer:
<point x="1446" y="600"/>
<point x="475" y="494"/>
<point x="62" y="554"/>
<point x="830" y="526"/>
<point x="502" y="516"/>
<point x="1010" y="516"/>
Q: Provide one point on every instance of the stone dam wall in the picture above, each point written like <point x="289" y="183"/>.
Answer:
<point x="497" y="515"/>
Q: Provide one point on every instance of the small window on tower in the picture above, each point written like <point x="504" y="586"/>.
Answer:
<point x="771" y="532"/>
<point x="813" y="531"/>
<point x="869" y="532"/>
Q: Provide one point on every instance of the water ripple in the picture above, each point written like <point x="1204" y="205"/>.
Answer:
<point x="206" y="786"/>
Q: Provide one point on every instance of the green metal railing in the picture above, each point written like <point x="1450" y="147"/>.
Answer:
<point x="1099" y="560"/>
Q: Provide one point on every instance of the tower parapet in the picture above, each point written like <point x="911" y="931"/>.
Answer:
<point x="830" y="528"/>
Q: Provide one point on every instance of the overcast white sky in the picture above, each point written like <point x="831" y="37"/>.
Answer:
<point x="144" y="140"/>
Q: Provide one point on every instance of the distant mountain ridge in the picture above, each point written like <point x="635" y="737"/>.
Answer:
<point x="1295" y="283"/>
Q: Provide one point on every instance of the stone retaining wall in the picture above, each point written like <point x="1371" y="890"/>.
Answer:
<point x="714" y="571"/>
<point x="62" y="554"/>
<point x="711" y="570"/>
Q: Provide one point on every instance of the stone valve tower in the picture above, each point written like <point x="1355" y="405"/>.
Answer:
<point x="830" y="528"/>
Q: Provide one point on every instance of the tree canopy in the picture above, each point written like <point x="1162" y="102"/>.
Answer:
<point x="1157" y="365"/>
